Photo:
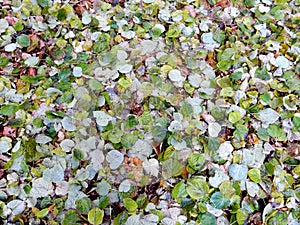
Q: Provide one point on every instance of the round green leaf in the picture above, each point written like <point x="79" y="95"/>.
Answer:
<point x="196" y="161"/>
<point x="207" y="218"/>
<point x="130" y="204"/>
<point x="23" y="40"/>
<point x="219" y="201"/>
<point x="197" y="188"/>
<point x="171" y="168"/>
<point x="9" y="109"/>
<point x="179" y="191"/>
<point x="95" y="216"/>
<point x="83" y="205"/>
<point x="241" y="216"/>
<point x="254" y="175"/>
<point x="3" y="61"/>
<point x="234" y="116"/>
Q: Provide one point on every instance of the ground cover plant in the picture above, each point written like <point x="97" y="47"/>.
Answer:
<point x="149" y="112"/>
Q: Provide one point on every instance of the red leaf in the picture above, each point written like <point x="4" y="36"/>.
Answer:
<point x="31" y="72"/>
<point x="10" y="131"/>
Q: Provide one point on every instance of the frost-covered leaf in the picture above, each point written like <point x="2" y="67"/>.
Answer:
<point x="5" y="144"/>
<point x="133" y="220"/>
<point x="3" y="25"/>
<point x="268" y="115"/>
<point x="97" y="158"/>
<point x="214" y="129"/>
<point x="42" y="139"/>
<point x="148" y="46"/>
<point x="175" y="75"/>
<point x="218" y="178"/>
<point x="103" y="188"/>
<point x="68" y="124"/>
<point x="125" y="186"/>
<point x="77" y="71"/>
<point x="17" y="206"/>
<point x="67" y="145"/>
<point x="41" y="188"/>
<point x="54" y="174"/>
<point x="102" y="118"/>
<point x="86" y="18"/>
<point x="32" y="61"/>
<point x="82" y="174"/>
<point x="10" y="47"/>
<point x="150" y="219"/>
<point x="115" y="159"/>
<point x="225" y="150"/>
<point x="124" y="68"/>
<point x="141" y="149"/>
<point x="252" y="188"/>
<point x="238" y="172"/>
<point x="283" y="62"/>
<point x="62" y="188"/>
<point x="195" y="80"/>
<point x="151" y="167"/>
